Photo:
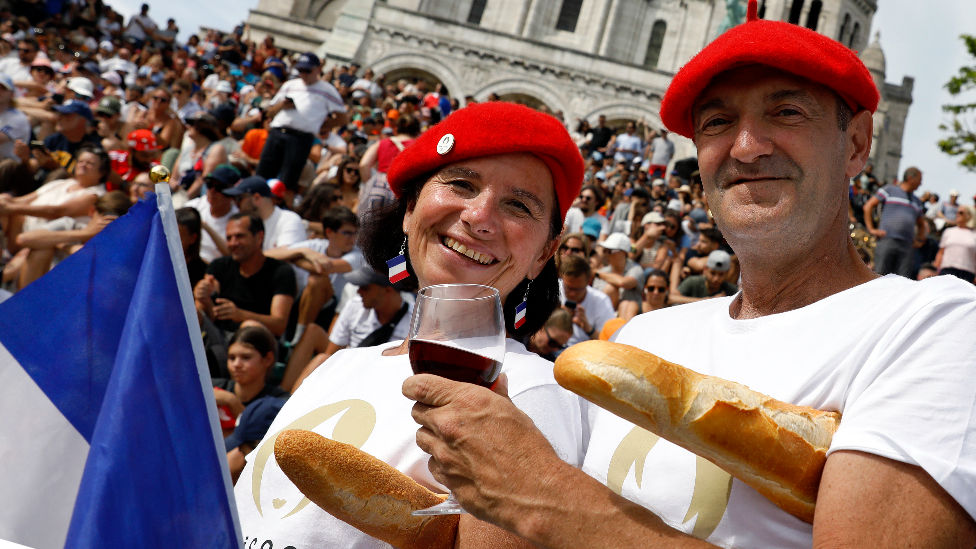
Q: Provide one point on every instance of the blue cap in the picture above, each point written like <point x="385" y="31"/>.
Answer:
<point x="307" y="60"/>
<point x="255" y="421"/>
<point x="591" y="227"/>
<point x="251" y="185"/>
<point x="73" y="106"/>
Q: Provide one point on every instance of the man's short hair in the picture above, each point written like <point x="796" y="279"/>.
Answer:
<point x="183" y="84"/>
<point x="911" y="172"/>
<point x="574" y="266"/>
<point x="714" y="235"/>
<point x="561" y="319"/>
<point x="255" y="225"/>
<point x="115" y="203"/>
<point x="337" y="216"/>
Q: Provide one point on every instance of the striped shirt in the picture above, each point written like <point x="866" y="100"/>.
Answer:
<point x="901" y="210"/>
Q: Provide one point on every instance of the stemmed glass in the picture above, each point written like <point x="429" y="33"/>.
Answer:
<point x="458" y="332"/>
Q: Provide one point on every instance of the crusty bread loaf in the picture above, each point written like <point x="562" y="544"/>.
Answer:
<point x="362" y="491"/>
<point x="777" y="448"/>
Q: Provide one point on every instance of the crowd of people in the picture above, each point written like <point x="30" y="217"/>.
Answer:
<point x="277" y="162"/>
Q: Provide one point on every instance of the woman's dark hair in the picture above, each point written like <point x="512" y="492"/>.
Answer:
<point x="190" y="218"/>
<point x="338" y="179"/>
<point x="318" y="200"/>
<point x="382" y="235"/>
<point x="408" y="125"/>
<point x="258" y="337"/>
<point x="651" y="274"/>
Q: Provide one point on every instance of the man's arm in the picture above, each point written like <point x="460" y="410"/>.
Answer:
<point x="276" y="321"/>
<point x="869" y="217"/>
<point x="922" y="230"/>
<point x="620" y="281"/>
<point x="335" y="119"/>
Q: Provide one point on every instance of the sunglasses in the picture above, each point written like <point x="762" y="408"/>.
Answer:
<point x="552" y="343"/>
<point x="585" y="198"/>
<point x="351" y="170"/>
<point x="25" y="50"/>
<point x="656" y="289"/>
<point x="160" y="98"/>
<point x="348" y="234"/>
<point x="565" y="248"/>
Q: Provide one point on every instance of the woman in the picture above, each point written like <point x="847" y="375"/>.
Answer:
<point x="655" y="291"/>
<point x="957" y="249"/>
<point x="376" y="161"/>
<point x="347" y="181"/>
<point x="500" y="186"/>
<point x="160" y="119"/>
<point x="196" y="162"/>
<point x="318" y="200"/>
<point x="553" y="336"/>
<point x="189" y="222"/>
<point x="572" y="244"/>
<point x="72" y="197"/>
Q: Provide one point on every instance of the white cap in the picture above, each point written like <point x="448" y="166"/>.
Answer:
<point x="106" y="45"/>
<point x="953" y="192"/>
<point x="652" y="217"/>
<point x="616" y="241"/>
<point x="82" y="86"/>
<point x="658" y="182"/>
<point x="224" y="86"/>
<point x="112" y="77"/>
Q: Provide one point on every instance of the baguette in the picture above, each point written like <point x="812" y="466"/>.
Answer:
<point x="777" y="448"/>
<point x="362" y="491"/>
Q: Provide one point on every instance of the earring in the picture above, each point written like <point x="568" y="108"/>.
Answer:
<point x="520" y="310"/>
<point x="398" y="265"/>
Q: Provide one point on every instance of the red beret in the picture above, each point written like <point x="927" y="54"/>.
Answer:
<point x="495" y="127"/>
<point x="777" y="44"/>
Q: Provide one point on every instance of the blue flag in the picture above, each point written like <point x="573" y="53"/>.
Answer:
<point x="108" y="430"/>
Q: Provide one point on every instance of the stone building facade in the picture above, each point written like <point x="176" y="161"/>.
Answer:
<point x="581" y="57"/>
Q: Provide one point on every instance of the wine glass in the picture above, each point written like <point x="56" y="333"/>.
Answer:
<point x="458" y="332"/>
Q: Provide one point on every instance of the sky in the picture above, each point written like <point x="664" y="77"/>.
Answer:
<point x="919" y="39"/>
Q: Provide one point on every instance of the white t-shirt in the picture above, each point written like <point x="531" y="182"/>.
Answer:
<point x="575" y="219"/>
<point x="56" y="193"/>
<point x="13" y="68"/>
<point x="903" y="381"/>
<point x="355" y="322"/>
<point x="135" y="30"/>
<point x="355" y="397"/>
<point x="960" y="249"/>
<point x="283" y="228"/>
<point x="208" y="249"/>
<point x="15" y="125"/>
<point x="338" y="280"/>
<point x="599" y="309"/>
<point x="312" y="105"/>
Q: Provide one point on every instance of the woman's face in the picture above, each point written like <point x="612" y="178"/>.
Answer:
<point x="87" y="168"/>
<point x="656" y="291"/>
<point x="246" y="365"/>
<point x="483" y="221"/>
<point x="962" y="217"/>
<point x="350" y="173"/>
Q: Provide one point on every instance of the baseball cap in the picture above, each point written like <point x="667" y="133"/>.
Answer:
<point x="223" y="112"/>
<point x="591" y="227"/>
<point x="307" y="60"/>
<point x="684" y="189"/>
<point x="617" y="242"/>
<point x="112" y="77"/>
<point x="106" y="45"/>
<point x="223" y="177"/>
<point x="141" y="140"/>
<point x="255" y="421"/>
<point x="42" y="62"/>
<point x="954" y="192"/>
<point x="277" y="187"/>
<point x="365" y="276"/>
<point x="652" y="217"/>
<point x="658" y="182"/>
<point x="251" y="185"/>
<point x="82" y="86"/>
<point x="74" y="106"/>
<point x="91" y="67"/>
<point x="719" y="260"/>
<point x="6" y="82"/>
<point x="110" y="105"/>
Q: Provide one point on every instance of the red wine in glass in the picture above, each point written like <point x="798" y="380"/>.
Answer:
<point x="428" y="357"/>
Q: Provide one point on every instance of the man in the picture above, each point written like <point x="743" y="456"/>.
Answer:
<point x="776" y="150"/>
<point x="302" y="108"/>
<point x="140" y="28"/>
<point x="378" y="304"/>
<point x="628" y="144"/>
<point x="215" y="209"/>
<point x="141" y="153"/>
<point x="14" y="125"/>
<point x="948" y="211"/>
<point x="621" y="279"/>
<point x="183" y="103"/>
<point x="711" y="283"/>
<point x="321" y="266"/>
<point x="601" y="136"/>
<point x="659" y="153"/>
<point x="902" y="224"/>
<point x="589" y="201"/>
<point x="282" y="227"/>
<point x="18" y="67"/>
<point x="659" y="194"/>
<point x="109" y="123"/>
<point x="246" y="285"/>
<point x="590" y="309"/>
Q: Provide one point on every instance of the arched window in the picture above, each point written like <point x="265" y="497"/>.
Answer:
<point x="814" y="16"/>
<point x="654" y="45"/>
<point x="477" y="10"/>
<point x="795" y="12"/>
<point x="844" y="29"/>
<point x="569" y="15"/>
<point x="855" y="35"/>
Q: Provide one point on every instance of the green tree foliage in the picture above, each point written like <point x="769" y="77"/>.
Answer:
<point x="962" y="128"/>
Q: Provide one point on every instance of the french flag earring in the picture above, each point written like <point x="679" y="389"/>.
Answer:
<point x="398" y="265"/>
<point x="520" y="310"/>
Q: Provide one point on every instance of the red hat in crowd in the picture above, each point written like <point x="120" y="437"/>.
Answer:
<point x="492" y="128"/>
<point x="142" y="140"/>
<point x="777" y="44"/>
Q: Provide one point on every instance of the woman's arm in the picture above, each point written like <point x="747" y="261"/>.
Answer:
<point x="368" y="161"/>
<point x="216" y="156"/>
<point x="75" y="207"/>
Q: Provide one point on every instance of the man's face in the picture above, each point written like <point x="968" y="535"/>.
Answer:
<point x="70" y="123"/>
<point x="26" y="53"/>
<point x="630" y="127"/>
<point x="243" y="245"/>
<point x="373" y="295"/>
<point x="141" y="160"/>
<point x="773" y="161"/>
<point x="344" y="238"/>
<point x="705" y="246"/>
<point x="713" y="279"/>
<point x="587" y="201"/>
<point x="602" y="120"/>
<point x="574" y="288"/>
<point x="245" y="203"/>
<point x="913" y="182"/>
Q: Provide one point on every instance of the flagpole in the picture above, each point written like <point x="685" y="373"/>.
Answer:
<point x="164" y="201"/>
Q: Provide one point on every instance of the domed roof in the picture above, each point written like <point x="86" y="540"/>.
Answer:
<point x="873" y="57"/>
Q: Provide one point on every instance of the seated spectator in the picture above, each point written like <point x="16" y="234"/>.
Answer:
<point x="652" y="247"/>
<point x="188" y="220"/>
<point x="553" y="337"/>
<point x="109" y="123"/>
<point x="215" y="209"/>
<point x="590" y="308"/>
<point x="57" y="239"/>
<point x="926" y="270"/>
<point x="656" y="292"/>
<point x="139" y="155"/>
<point x="254" y="196"/>
<point x="586" y="207"/>
<point x="380" y="313"/>
<point x="572" y="244"/>
<point x="711" y="283"/>
<point x="247" y="285"/>
<point x="201" y="155"/>
<point x="254" y="423"/>
<point x="14" y="125"/>
<point x="621" y="278"/>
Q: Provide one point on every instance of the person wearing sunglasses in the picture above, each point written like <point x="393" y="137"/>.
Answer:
<point x="554" y="336"/>
<point x="584" y="208"/>
<point x="572" y="244"/>
<point x="656" y="292"/>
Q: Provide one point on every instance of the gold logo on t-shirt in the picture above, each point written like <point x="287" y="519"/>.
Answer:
<point x="713" y="486"/>
<point x="354" y="428"/>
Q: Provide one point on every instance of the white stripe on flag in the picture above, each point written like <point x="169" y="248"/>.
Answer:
<point x="42" y="459"/>
<point x="398" y="268"/>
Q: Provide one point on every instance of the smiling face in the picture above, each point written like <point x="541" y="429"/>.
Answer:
<point x="483" y="221"/>
<point x="774" y="162"/>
